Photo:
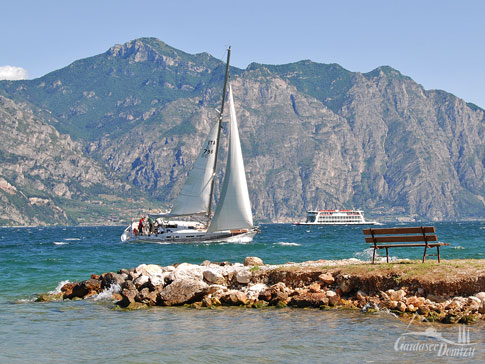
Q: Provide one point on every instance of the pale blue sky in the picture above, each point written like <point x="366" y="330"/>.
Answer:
<point x="440" y="44"/>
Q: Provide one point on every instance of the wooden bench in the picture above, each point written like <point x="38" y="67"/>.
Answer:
<point x="386" y="238"/>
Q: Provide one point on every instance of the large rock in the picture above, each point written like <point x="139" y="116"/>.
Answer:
<point x="127" y="297"/>
<point x="277" y="293"/>
<point x="309" y="299"/>
<point x="187" y="271"/>
<point x="147" y="297"/>
<point x="333" y="298"/>
<point x="248" y="261"/>
<point x="481" y="296"/>
<point x="396" y="295"/>
<point x="149" y="270"/>
<point x="67" y="289"/>
<point x="234" y="298"/>
<point x="85" y="289"/>
<point x="182" y="291"/>
<point x="243" y="276"/>
<point x="141" y="281"/>
<point x="213" y="277"/>
<point x="109" y="279"/>
<point x="326" y="278"/>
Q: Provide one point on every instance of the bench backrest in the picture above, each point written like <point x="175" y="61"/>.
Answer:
<point x="394" y="235"/>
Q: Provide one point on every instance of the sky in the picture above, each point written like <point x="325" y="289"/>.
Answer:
<point x="439" y="44"/>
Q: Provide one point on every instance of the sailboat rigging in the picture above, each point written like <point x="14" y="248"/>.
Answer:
<point x="232" y="219"/>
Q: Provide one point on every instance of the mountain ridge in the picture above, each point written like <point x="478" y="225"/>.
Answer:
<point x="313" y="135"/>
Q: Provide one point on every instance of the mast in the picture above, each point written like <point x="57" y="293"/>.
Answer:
<point x="226" y="77"/>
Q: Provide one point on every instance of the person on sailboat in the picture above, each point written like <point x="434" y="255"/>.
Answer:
<point x="140" y="225"/>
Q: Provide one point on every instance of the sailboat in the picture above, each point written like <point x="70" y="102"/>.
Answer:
<point x="191" y="218"/>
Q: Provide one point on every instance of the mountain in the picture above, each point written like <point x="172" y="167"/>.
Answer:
<point x="313" y="136"/>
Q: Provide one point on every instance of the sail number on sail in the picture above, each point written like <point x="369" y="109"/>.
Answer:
<point x="209" y="149"/>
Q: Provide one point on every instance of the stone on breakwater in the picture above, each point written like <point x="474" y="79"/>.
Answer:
<point x="244" y="276"/>
<point x="253" y="261"/>
<point x="326" y="278"/>
<point x="183" y="291"/>
<point x="85" y="289"/>
<point x="333" y="298"/>
<point x="108" y="279"/>
<point x="213" y="277"/>
<point x="481" y="296"/>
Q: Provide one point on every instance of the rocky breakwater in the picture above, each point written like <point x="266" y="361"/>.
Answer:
<point x="450" y="292"/>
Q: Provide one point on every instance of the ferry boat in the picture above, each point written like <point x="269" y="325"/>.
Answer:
<point x="336" y="217"/>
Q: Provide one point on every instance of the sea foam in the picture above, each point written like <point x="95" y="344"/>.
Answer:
<point x="283" y="243"/>
<point x="59" y="286"/>
<point x="107" y="293"/>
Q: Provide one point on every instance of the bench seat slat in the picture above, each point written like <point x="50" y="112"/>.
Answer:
<point x="403" y="230"/>
<point x="431" y="245"/>
<point x="400" y="238"/>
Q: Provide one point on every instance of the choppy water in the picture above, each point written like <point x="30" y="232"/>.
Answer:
<point x="35" y="260"/>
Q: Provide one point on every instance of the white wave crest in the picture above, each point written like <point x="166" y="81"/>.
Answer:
<point x="458" y="247"/>
<point x="58" y="288"/>
<point x="282" y="243"/>
<point x="72" y="239"/>
<point x="60" y="243"/>
<point x="366" y="255"/>
<point x="107" y="293"/>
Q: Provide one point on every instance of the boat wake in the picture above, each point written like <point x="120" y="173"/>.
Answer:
<point x="283" y="243"/>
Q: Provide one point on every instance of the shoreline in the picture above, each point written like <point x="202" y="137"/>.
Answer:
<point x="452" y="291"/>
<point x="121" y="224"/>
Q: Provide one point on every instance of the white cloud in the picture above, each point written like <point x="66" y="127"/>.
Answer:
<point x="13" y="73"/>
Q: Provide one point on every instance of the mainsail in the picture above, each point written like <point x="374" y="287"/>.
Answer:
<point x="195" y="195"/>
<point x="233" y="209"/>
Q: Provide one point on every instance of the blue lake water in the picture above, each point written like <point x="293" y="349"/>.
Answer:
<point x="35" y="260"/>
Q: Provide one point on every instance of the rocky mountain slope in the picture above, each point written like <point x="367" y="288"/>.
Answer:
<point x="45" y="178"/>
<point x="313" y="135"/>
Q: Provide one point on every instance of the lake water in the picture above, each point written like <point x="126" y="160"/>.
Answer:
<point x="36" y="260"/>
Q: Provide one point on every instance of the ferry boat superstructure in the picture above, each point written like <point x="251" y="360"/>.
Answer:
<point x="336" y="217"/>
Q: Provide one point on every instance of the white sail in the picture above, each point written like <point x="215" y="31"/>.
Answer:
<point x="233" y="209"/>
<point x="194" y="197"/>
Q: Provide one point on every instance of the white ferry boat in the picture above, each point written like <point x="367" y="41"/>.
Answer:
<point x="336" y="217"/>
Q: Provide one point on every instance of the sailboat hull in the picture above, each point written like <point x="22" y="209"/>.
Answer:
<point x="187" y="237"/>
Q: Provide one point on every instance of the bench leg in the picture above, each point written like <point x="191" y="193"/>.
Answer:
<point x="387" y="255"/>
<point x="438" y="247"/>
<point x="424" y="255"/>
<point x="373" y="255"/>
